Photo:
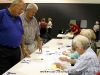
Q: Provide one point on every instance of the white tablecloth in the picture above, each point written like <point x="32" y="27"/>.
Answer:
<point x="65" y="35"/>
<point x="42" y="64"/>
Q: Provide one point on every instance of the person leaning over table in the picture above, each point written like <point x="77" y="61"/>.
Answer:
<point x="74" y="29"/>
<point x="87" y="63"/>
<point x="31" y="28"/>
<point x="11" y="35"/>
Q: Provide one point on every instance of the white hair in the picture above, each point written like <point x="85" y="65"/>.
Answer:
<point x="17" y="1"/>
<point x="32" y="5"/>
<point x="86" y="33"/>
<point x="81" y="41"/>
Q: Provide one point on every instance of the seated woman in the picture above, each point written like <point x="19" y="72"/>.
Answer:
<point x="74" y="54"/>
<point x="93" y="42"/>
<point x="89" y="33"/>
<point x="86" y="33"/>
<point x="86" y="64"/>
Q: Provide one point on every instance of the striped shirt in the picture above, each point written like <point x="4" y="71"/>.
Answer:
<point x="86" y="64"/>
<point x="31" y="29"/>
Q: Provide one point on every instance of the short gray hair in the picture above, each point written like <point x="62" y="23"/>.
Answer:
<point x="86" y="33"/>
<point x="32" y="5"/>
<point x="17" y="1"/>
<point x="81" y="41"/>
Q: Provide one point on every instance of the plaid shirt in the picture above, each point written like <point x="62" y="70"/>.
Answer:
<point x="31" y="29"/>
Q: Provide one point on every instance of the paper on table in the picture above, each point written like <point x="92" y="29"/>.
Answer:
<point x="45" y="46"/>
<point x="40" y="57"/>
<point x="26" y="60"/>
<point x="38" y="52"/>
<point x="9" y="73"/>
<point x="56" y="59"/>
<point x="33" y="68"/>
<point x="53" y="66"/>
<point x="65" y="63"/>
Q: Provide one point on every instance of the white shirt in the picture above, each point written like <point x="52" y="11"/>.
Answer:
<point x="49" y="25"/>
<point x="96" y="28"/>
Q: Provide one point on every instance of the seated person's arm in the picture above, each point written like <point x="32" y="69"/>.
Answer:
<point x="72" y="61"/>
<point x="71" y="32"/>
<point x="65" y="53"/>
<point x="82" y="64"/>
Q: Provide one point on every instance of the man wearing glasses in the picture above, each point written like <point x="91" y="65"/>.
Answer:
<point x="11" y="35"/>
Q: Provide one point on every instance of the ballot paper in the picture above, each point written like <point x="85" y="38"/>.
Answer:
<point x="69" y="35"/>
<point x="33" y="68"/>
<point x="45" y="46"/>
<point x="53" y="66"/>
<point x="10" y="73"/>
<point x="65" y="63"/>
<point x="26" y="60"/>
<point x="38" y="52"/>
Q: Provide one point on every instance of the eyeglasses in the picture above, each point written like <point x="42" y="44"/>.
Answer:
<point x="21" y="9"/>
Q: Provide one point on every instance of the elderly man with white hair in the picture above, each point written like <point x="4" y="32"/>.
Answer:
<point x="87" y="63"/>
<point x="31" y="28"/>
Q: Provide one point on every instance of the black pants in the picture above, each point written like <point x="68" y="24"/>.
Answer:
<point x="49" y="30"/>
<point x="8" y="58"/>
<point x="97" y="35"/>
<point x="42" y="31"/>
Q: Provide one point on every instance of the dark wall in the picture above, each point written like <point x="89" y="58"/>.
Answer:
<point x="62" y="13"/>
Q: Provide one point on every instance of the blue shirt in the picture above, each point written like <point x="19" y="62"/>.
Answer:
<point x="11" y="29"/>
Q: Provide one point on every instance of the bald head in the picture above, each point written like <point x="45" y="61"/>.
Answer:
<point x="17" y="2"/>
<point x="17" y="7"/>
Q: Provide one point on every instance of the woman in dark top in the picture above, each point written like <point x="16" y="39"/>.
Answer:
<point x="43" y="27"/>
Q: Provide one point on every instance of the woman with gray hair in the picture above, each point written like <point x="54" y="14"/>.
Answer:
<point x="91" y="36"/>
<point x="75" y="55"/>
<point x="86" y="64"/>
<point x="93" y="42"/>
